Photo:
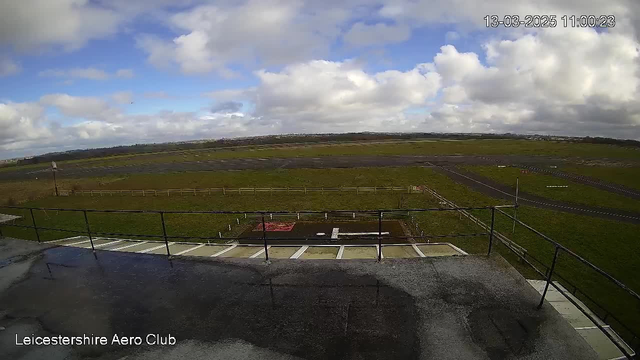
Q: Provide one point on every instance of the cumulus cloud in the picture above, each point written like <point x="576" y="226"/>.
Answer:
<point x="227" y="107"/>
<point x="125" y="73"/>
<point x="271" y="32"/>
<point x="123" y="97"/>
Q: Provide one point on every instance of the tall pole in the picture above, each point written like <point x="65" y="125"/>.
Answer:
<point x="86" y="221"/>
<point x="546" y="286"/>
<point x="515" y="209"/>
<point x="493" y="218"/>
<point x="164" y="234"/>
<point x="54" y="168"/>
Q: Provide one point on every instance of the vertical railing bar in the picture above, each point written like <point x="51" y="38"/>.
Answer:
<point x="493" y="218"/>
<point x="164" y="233"/>
<point x="264" y="238"/>
<point x="35" y="227"/>
<point x="86" y="221"/>
<point x="549" y="276"/>
<point x="379" y="235"/>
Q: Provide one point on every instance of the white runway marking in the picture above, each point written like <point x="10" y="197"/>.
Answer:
<point x="188" y="250"/>
<point x="224" y="251"/>
<point x="298" y="253"/>
<point x="153" y="248"/>
<point x="128" y="246"/>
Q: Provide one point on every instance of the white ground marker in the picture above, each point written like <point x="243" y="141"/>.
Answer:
<point x="334" y="233"/>
<point x="458" y="249"/>
<point x="379" y="252"/>
<point x="299" y="253"/>
<point x="417" y="249"/>
<point x="224" y="251"/>
<point x="191" y="249"/>
<point x="259" y="253"/>
<point x="128" y="246"/>
<point x="69" y="238"/>
<point x="153" y="248"/>
<point x="340" y="252"/>
<point x="76" y="243"/>
<point x="109" y="243"/>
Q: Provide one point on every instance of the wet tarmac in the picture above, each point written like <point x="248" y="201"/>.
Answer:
<point x="438" y="308"/>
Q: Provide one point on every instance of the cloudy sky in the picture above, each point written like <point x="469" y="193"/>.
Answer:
<point x="81" y="73"/>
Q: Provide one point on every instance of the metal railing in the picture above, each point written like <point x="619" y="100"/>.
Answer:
<point x="378" y="214"/>
<point x="549" y="273"/>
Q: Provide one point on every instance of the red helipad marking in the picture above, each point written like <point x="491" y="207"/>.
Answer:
<point x="276" y="226"/>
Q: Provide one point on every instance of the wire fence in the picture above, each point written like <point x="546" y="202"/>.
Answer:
<point x="246" y="190"/>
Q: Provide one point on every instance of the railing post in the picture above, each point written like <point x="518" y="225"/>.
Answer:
<point x="493" y="218"/>
<point x="86" y="221"/>
<point x="35" y="227"/>
<point x="379" y="235"/>
<point x="264" y="238"/>
<point x="164" y="233"/>
<point x="549" y="275"/>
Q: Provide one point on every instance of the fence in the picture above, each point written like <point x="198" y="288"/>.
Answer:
<point x="379" y="214"/>
<point x="245" y="190"/>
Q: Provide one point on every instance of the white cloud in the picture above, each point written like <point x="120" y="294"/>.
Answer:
<point x="28" y="24"/>
<point x="9" y="67"/>
<point x="123" y="97"/>
<point x="271" y="32"/>
<point x="89" y="73"/>
<point x="76" y="106"/>
<point x="125" y="73"/>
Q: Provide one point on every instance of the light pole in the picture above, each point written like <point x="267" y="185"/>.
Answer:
<point x="54" y="169"/>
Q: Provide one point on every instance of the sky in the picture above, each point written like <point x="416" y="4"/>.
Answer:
<point x="83" y="74"/>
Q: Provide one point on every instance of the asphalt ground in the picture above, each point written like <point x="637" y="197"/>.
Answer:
<point x="471" y="307"/>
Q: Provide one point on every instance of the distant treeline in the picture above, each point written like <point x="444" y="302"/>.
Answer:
<point x="290" y="139"/>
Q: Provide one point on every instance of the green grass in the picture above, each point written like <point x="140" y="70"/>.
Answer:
<point x="428" y="147"/>
<point x="627" y="176"/>
<point x="536" y="184"/>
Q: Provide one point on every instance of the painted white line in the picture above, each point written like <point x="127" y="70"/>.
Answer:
<point x="300" y="251"/>
<point x="109" y="243"/>
<point x="153" y="248"/>
<point x="417" y="249"/>
<point x="191" y="249"/>
<point x="76" y="243"/>
<point x="378" y="251"/>
<point x="69" y="238"/>
<point x="457" y="249"/>
<point x="128" y="246"/>
<point x="259" y="253"/>
<point x="340" y="252"/>
<point x="334" y="233"/>
<point x="224" y="251"/>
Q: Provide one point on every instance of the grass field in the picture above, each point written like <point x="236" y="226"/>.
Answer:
<point x="535" y="183"/>
<point x="427" y="147"/>
<point x="626" y="176"/>
<point x="608" y="244"/>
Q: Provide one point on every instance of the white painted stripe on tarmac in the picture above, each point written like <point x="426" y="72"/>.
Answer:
<point x="417" y="249"/>
<point x="153" y="248"/>
<point x="340" y="252"/>
<point x="378" y="251"/>
<point x="259" y="253"/>
<point x="224" y="251"/>
<point x="69" y="238"/>
<point x="191" y="249"/>
<point x="76" y="243"/>
<point x="299" y="253"/>
<point x="109" y="243"/>
<point x="128" y="246"/>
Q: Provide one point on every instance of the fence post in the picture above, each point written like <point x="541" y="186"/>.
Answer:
<point x="35" y="227"/>
<point x="264" y="238"/>
<point x="493" y="217"/>
<point x="164" y="233"/>
<point x="86" y="221"/>
<point x="379" y="235"/>
<point x="546" y="286"/>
